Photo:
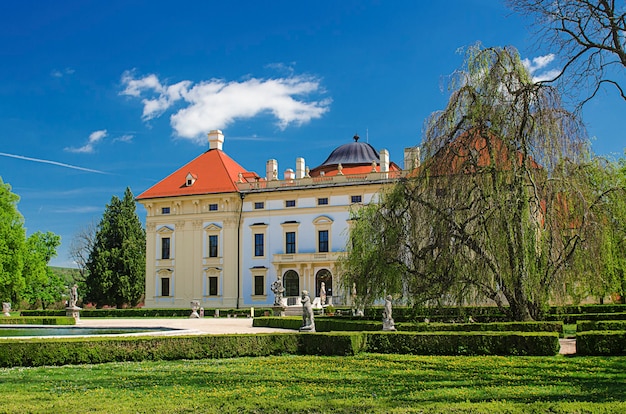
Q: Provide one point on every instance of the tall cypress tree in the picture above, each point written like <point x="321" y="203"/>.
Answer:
<point x="116" y="263"/>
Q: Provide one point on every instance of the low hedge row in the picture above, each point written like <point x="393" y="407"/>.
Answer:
<point x="328" y="324"/>
<point x="38" y="352"/>
<point x="582" y="326"/>
<point x="574" y="318"/>
<point x="464" y="343"/>
<point x="601" y="343"/>
<point x="146" y="313"/>
<point x="595" y="308"/>
<point x="35" y="320"/>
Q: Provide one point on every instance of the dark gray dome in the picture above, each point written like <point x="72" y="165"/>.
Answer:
<point x="353" y="153"/>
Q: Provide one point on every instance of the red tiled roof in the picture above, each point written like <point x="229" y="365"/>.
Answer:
<point x="215" y="172"/>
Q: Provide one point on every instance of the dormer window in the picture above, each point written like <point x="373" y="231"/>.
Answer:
<point x="190" y="179"/>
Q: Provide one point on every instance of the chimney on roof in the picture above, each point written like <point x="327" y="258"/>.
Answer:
<point x="300" y="168"/>
<point x="216" y="139"/>
<point x="384" y="160"/>
<point x="271" y="170"/>
<point x="411" y="158"/>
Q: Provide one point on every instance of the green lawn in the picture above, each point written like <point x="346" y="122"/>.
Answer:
<point x="293" y="384"/>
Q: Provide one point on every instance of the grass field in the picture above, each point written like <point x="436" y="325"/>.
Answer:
<point x="369" y="383"/>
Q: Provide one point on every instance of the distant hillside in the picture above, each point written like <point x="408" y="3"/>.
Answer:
<point x="69" y="274"/>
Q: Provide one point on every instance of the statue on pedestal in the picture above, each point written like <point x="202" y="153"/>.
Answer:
<point x="308" y="321"/>
<point x="195" y="305"/>
<point x="388" y="323"/>
<point x="6" y="308"/>
<point x="278" y="289"/>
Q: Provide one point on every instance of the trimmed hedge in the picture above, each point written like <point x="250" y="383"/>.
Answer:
<point x="464" y="343"/>
<point x="34" y="320"/>
<point x="601" y="343"/>
<point x="574" y="318"/>
<point x="145" y="313"/>
<point x="582" y="326"/>
<point x="62" y="351"/>
<point x="329" y="324"/>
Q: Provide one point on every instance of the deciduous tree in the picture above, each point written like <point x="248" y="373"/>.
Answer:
<point x="501" y="210"/>
<point x="588" y="35"/>
<point x="12" y="237"/>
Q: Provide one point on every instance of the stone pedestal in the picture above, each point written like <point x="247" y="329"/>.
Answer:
<point x="73" y="311"/>
<point x="278" y="310"/>
<point x="389" y="325"/>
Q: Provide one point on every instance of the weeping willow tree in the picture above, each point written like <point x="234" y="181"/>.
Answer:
<point x="500" y="211"/>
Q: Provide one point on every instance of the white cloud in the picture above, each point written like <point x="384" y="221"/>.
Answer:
<point x="215" y="104"/>
<point x="537" y="65"/>
<point x="124" y="138"/>
<point x="88" y="148"/>
<point x="60" y="73"/>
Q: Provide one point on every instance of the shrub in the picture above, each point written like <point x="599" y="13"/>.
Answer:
<point x="582" y="326"/>
<point x="34" y="320"/>
<point x="602" y="343"/>
<point x="463" y="343"/>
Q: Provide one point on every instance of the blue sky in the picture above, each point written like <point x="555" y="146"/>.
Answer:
<point x="96" y="96"/>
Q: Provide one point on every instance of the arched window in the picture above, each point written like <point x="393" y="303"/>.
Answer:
<point x="291" y="283"/>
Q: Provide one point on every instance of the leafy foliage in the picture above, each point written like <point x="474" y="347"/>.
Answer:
<point x="503" y="209"/>
<point x="12" y="239"/>
<point x="116" y="264"/>
<point x="24" y="271"/>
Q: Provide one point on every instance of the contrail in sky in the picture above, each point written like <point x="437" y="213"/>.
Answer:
<point x="60" y="164"/>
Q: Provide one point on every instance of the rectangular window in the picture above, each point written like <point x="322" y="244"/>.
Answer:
<point x="259" y="285"/>
<point x="323" y="241"/>
<point x="356" y="199"/>
<point x="165" y="286"/>
<point x="213" y="286"/>
<point x="290" y="203"/>
<point x="322" y="201"/>
<point x="290" y="242"/>
<point x="165" y="210"/>
<point x="213" y="240"/>
<point x="165" y="248"/>
<point x="259" y="205"/>
<point x="259" y="244"/>
<point x="212" y="207"/>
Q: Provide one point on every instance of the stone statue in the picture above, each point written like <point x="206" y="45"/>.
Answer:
<point x="308" y="322"/>
<point x="6" y="308"/>
<point x="323" y="294"/>
<point x="278" y="289"/>
<point x="388" y="323"/>
<point x="73" y="296"/>
<point x="195" y="305"/>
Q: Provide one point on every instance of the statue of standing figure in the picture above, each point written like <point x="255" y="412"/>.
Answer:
<point x="323" y="294"/>
<point x="308" y="321"/>
<point x="388" y="323"/>
<point x="73" y="296"/>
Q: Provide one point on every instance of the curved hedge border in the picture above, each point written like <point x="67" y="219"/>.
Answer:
<point x="601" y="343"/>
<point x="34" y="320"/>
<point x="37" y="352"/>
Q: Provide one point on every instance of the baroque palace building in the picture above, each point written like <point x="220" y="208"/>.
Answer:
<point x="222" y="235"/>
